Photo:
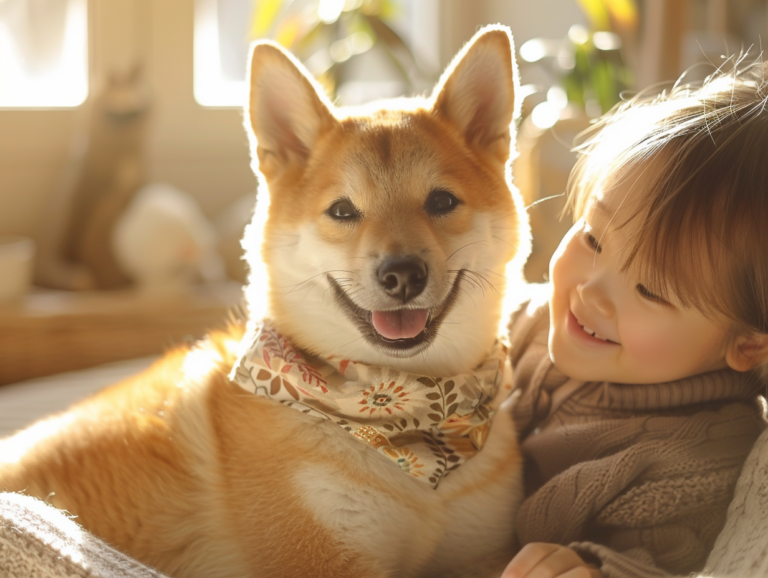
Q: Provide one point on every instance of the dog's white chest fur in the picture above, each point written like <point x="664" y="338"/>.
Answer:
<point x="406" y="528"/>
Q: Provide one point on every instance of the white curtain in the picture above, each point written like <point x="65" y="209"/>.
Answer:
<point x="43" y="52"/>
<point x="36" y="29"/>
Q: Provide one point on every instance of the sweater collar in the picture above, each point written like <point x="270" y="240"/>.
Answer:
<point x="714" y="386"/>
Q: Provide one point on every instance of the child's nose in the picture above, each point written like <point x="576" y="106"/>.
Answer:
<point x="595" y="295"/>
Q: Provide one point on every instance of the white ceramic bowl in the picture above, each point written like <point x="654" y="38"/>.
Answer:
<point x="16" y="254"/>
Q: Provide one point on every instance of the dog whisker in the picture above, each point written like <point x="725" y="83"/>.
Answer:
<point x="464" y="247"/>
<point x="472" y="282"/>
<point x="294" y="287"/>
<point x="482" y="280"/>
<point x="492" y="272"/>
<point x="504" y="241"/>
<point x="343" y="345"/>
<point x="502" y="216"/>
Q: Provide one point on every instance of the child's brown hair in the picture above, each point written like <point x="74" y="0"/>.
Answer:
<point x="704" y="214"/>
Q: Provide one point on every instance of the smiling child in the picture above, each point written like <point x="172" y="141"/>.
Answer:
<point x="640" y="363"/>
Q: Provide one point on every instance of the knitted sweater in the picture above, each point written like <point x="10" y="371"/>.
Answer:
<point x="636" y="478"/>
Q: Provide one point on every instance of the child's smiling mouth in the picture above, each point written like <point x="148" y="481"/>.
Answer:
<point x="585" y="333"/>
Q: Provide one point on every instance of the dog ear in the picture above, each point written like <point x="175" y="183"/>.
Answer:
<point x="287" y="108"/>
<point x="477" y="91"/>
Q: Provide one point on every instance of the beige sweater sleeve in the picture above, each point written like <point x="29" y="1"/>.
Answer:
<point x="741" y="549"/>
<point x="658" y="504"/>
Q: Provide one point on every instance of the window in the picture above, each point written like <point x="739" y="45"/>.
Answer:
<point x="223" y="29"/>
<point x="43" y="53"/>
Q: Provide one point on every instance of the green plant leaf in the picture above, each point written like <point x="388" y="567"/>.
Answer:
<point x="604" y="83"/>
<point x="394" y="45"/>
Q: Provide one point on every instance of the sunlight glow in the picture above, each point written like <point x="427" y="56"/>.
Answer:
<point x="606" y="41"/>
<point x="220" y="46"/>
<point x="210" y="87"/>
<point x="533" y="50"/>
<point x="545" y="115"/>
<point x="14" y="448"/>
<point x="578" y="34"/>
<point x="65" y="86"/>
<point x="200" y="362"/>
<point x="330" y="10"/>
<point x="354" y="44"/>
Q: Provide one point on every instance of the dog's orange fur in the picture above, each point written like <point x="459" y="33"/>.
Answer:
<point x="187" y="472"/>
<point x="136" y="482"/>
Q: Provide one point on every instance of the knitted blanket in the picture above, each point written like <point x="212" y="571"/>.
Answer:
<point x="41" y="541"/>
<point x="741" y="548"/>
<point x="38" y="540"/>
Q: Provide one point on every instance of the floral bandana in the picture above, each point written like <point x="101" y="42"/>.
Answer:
<point x="427" y="426"/>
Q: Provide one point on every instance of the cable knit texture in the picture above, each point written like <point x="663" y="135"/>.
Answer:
<point x="741" y="548"/>
<point x="637" y="477"/>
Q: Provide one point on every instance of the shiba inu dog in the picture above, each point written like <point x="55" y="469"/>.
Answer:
<point x="353" y="426"/>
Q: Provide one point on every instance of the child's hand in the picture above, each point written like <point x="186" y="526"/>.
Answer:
<point x="539" y="560"/>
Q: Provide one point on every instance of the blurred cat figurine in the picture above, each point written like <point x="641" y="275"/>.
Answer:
<point x="75" y="237"/>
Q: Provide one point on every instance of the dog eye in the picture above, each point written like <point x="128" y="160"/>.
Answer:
<point x="343" y="210"/>
<point x="441" y="202"/>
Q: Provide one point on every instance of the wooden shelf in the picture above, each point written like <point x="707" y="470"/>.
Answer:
<point x="54" y="331"/>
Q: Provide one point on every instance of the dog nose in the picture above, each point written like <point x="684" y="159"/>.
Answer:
<point x="403" y="277"/>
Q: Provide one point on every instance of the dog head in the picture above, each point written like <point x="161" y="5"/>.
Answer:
<point x="386" y="234"/>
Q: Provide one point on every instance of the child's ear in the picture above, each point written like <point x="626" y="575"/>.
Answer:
<point x="746" y="351"/>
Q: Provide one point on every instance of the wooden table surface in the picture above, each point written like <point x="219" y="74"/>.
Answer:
<point x="54" y="331"/>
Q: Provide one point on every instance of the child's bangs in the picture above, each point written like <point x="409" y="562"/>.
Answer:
<point x="674" y="255"/>
<point x="700" y="241"/>
<point x="623" y="140"/>
<point x="696" y="159"/>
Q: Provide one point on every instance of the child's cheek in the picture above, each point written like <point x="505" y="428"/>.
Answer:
<point x="649" y="343"/>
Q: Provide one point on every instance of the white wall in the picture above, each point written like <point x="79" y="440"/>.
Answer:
<point x="202" y="151"/>
<point x="535" y="18"/>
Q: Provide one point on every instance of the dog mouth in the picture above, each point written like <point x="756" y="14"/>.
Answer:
<point x="403" y="332"/>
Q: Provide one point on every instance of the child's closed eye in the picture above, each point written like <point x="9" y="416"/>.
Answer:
<point x="650" y="296"/>
<point x="593" y="242"/>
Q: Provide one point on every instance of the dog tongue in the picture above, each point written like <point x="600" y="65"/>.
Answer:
<point x="402" y="324"/>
